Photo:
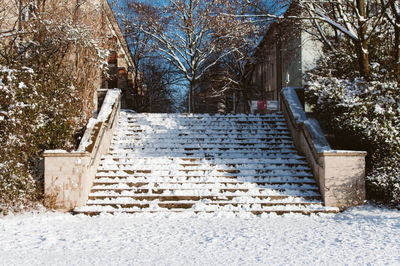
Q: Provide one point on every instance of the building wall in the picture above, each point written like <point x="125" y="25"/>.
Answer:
<point x="283" y="56"/>
<point x="291" y="62"/>
<point x="264" y="77"/>
<point x="8" y="16"/>
<point x="98" y="15"/>
<point x="311" y="51"/>
<point x="122" y="68"/>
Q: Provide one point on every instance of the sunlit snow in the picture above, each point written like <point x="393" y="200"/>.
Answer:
<point x="359" y="236"/>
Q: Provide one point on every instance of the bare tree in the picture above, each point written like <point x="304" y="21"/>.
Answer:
<point x="393" y="17"/>
<point x="358" y="20"/>
<point x="195" y="34"/>
<point x="228" y="78"/>
<point x="133" y="16"/>
<point x="159" y="80"/>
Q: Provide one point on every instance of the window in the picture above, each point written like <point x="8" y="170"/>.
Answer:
<point x="272" y="70"/>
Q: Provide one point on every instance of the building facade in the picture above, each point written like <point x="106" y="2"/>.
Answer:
<point x="98" y="16"/>
<point x="286" y="52"/>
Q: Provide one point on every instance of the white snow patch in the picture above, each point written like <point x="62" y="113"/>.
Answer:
<point x="359" y="236"/>
<point x="108" y="103"/>
<point x="294" y="104"/>
<point x="56" y="151"/>
<point x="105" y="112"/>
<point x="318" y="138"/>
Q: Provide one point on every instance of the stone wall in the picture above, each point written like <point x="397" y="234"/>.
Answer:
<point x="339" y="174"/>
<point x="69" y="175"/>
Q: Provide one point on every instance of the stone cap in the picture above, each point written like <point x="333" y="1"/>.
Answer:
<point x="343" y="153"/>
<point x="63" y="153"/>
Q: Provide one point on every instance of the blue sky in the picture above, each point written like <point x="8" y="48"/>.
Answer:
<point x="153" y="2"/>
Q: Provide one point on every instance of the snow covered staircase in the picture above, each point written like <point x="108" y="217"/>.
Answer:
<point x="203" y="163"/>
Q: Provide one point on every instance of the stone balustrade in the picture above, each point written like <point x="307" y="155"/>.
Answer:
<point x="339" y="174"/>
<point x="68" y="176"/>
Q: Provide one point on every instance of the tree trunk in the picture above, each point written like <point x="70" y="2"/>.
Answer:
<point x="397" y="49"/>
<point x="362" y="43"/>
<point x="192" y="107"/>
<point x="363" y="58"/>
<point x="190" y="100"/>
<point x="20" y="15"/>
<point x="396" y="52"/>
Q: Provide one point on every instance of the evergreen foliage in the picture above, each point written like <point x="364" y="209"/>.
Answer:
<point x="45" y="74"/>
<point x="367" y="112"/>
<point x="355" y="88"/>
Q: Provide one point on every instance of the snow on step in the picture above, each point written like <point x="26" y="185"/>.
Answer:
<point x="203" y="163"/>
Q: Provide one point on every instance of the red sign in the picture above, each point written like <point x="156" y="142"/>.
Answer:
<point x="261" y="105"/>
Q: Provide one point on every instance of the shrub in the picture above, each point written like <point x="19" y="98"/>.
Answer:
<point x="35" y="114"/>
<point x="46" y="95"/>
<point x="366" y="111"/>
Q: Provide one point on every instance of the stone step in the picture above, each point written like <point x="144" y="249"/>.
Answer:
<point x="204" y="185"/>
<point x="130" y="113"/>
<point x="151" y="142"/>
<point x="208" y="173"/>
<point x="132" y="169"/>
<point x="192" y="204"/>
<point x="198" y="189"/>
<point x="191" y="165"/>
<point x="201" y="115"/>
<point x="205" y="119"/>
<point x="188" y="121"/>
<point x="205" y="150"/>
<point x="98" y="211"/>
<point x="209" y="127"/>
<point x="105" y="177"/>
<point x="214" y="125"/>
<point x="129" y="154"/>
<point x="126" y="135"/>
<point x="194" y="145"/>
<point x="205" y="131"/>
<point x="196" y="176"/>
<point x="196" y="142"/>
<point x="176" y="138"/>
<point x="215" y="146"/>
<point x="162" y="137"/>
<point x="215" y="198"/>
<point x="202" y="161"/>
<point x="206" y="154"/>
<point x="212" y="192"/>
<point x="131" y="183"/>
<point x="204" y="138"/>
<point x="195" y="117"/>
<point x="238" y="149"/>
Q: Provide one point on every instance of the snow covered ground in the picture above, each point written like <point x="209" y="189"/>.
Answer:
<point x="362" y="235"/>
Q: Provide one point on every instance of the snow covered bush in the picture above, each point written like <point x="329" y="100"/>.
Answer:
<point x="36" y="113"/>
<point x="47" y="74"/>
<point x="355" y="87"/>
<point x="384" y="180"/>
<point x="365" y="111"/>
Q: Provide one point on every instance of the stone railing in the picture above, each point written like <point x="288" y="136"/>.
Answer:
<point x="339" y="174"/>
<point x="68" y="176"/>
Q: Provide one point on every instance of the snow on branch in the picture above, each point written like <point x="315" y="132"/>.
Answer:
<point x="349" y="32"/>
